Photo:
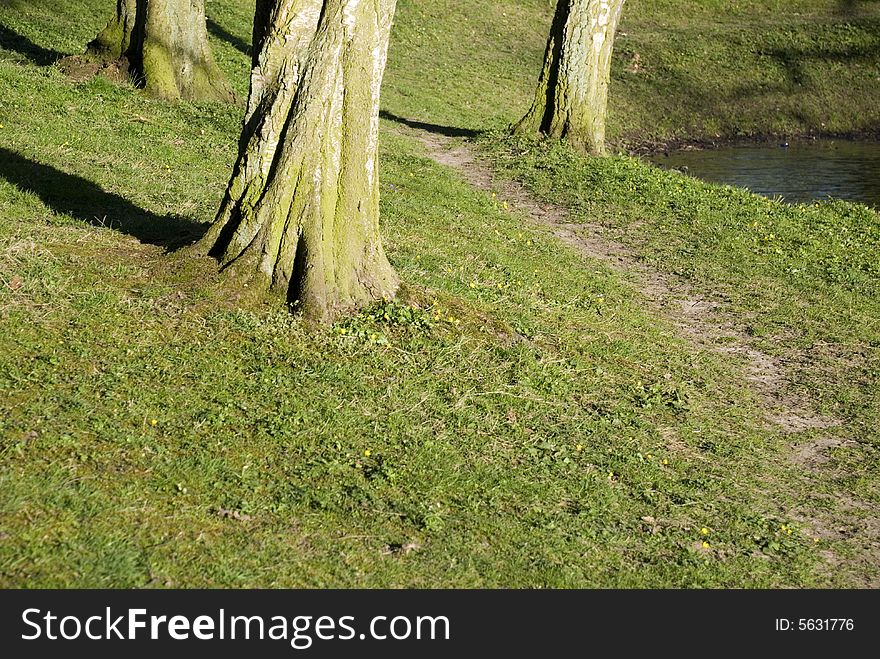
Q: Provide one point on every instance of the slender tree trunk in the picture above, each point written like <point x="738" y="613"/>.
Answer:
<point x="572" y="98"/>
<point x="164" y="44"/>
<point x="301" y="212"/>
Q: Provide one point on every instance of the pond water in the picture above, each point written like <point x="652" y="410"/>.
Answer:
<point x="800" y="172"/>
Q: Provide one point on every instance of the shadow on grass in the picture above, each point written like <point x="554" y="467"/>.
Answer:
<point x="697" y="98"/>
<point x="223" y="34"/>
<point x="13" y="41"/>
<point x="853" y="7"/>
<point x="794" y="61"/>
<point x="86" y="201"/>
<point x="448" y="131"/>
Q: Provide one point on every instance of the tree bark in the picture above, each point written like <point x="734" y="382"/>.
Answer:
<point x="164" y="44"/>
<point x="572" y="98"/>
<point x="301" y="212"/>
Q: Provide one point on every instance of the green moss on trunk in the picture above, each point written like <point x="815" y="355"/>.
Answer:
<point x="301" y="213"/>
<point x="164" y="44"/>
<point x="572" y="97"/>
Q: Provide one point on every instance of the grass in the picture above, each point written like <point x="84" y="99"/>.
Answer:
<point x="720" y="71"/>
<point x="518" y="418"/>
<point x="802" y="280"/>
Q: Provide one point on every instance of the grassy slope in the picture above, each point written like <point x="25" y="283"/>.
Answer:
<point x="513" y="431"/>
<point x="719" y="70"/>
<point x="803" y="281"/>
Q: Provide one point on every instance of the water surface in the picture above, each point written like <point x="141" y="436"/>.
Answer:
<point x="801" y="172"/>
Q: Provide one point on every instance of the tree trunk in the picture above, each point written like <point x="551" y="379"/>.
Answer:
<point x="164" y="44"/>
<point x="301" y="212"/>
<point x="572" y="98"/>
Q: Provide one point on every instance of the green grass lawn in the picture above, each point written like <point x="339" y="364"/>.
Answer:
<point x="717" y="70"/>
<point x="519" y="417"/>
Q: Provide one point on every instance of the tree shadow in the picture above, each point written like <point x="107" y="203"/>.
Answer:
<point x="15" y="42"/>
<point x="797" y="76"/>
<point x="793" y="61"/>
<point x="448" y="131"/>
<point x="853" y="7"/>
<point x="81" y="199"/>
<point x="222" y="33"/>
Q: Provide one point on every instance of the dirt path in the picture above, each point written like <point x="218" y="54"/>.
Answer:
<point x="705" y="325"/>
<point x="695" y="317"/>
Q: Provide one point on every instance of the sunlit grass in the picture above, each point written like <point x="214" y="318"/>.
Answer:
<point x="516" y="418"/>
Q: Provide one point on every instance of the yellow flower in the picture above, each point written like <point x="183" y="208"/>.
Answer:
<point x="610" y="475"/>
<point x="368" y="453"/>
<point x="473" y="285"/>
<point x="579" y="447"/>
<point x="706" y="545"/>
<point x="665" y="461"/>
<point x="704" y="531"/>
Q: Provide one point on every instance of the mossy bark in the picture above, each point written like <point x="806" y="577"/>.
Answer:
<point x="301" y="212"/>
<point x="572" y="98"/>
<point x="164" y="44"/>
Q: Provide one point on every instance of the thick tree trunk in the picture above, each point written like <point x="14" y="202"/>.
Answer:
<point x="572" y="98"/>
<point x="164" y="43"/>
<point x="301" y="213"/>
